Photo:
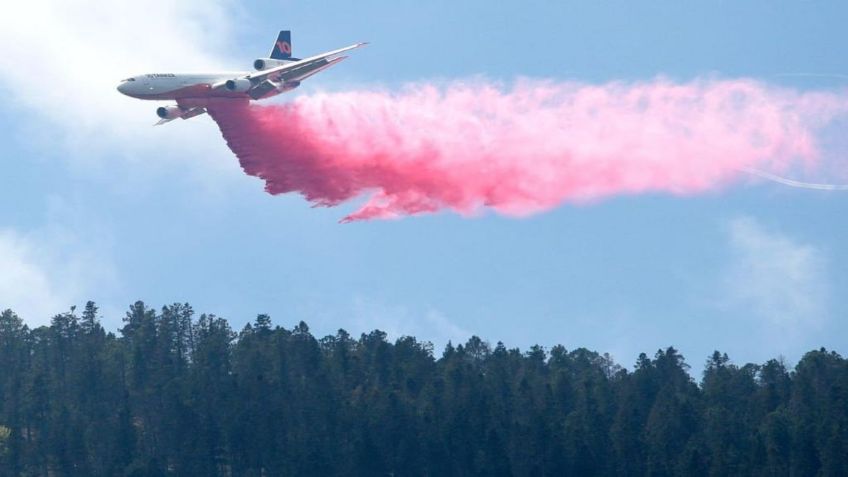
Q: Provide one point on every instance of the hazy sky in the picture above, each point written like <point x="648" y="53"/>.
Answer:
<point x="97" y="204"/>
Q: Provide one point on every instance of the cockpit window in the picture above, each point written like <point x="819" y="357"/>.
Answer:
<point x="128" y="79"/>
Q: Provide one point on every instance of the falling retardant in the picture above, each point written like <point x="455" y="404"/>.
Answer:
<point x="524" y="149"/>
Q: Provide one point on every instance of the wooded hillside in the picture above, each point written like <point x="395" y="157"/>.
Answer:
<point x="175" y="395"/>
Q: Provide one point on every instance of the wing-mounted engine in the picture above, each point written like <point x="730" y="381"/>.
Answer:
<point x="238" y="85"/>
<point x="170" y="113"/>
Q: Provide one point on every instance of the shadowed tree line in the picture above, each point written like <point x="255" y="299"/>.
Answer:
<point x="175" y="395"/>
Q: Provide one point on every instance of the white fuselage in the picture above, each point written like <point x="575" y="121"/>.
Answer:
<point x="180" y="86"/>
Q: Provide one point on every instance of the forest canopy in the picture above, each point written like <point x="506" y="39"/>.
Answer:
<point x="175" y="394"/>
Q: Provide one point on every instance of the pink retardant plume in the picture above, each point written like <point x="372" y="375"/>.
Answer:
<point x="471" y="146"/>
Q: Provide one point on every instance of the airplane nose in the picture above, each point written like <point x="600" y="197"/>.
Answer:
<point x="122" y="88"/>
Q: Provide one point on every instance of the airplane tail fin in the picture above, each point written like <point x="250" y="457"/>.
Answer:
<point x="282" y="48"/>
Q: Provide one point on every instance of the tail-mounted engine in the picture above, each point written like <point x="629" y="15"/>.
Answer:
<point x="266" y="63"/>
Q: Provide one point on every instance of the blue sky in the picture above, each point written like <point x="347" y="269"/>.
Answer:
<point x="99" y="205"/>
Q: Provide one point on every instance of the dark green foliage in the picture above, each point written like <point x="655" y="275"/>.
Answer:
<point x="176" y="396"/>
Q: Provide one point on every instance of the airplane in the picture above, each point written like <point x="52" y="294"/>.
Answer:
<point x="277" y="74"/>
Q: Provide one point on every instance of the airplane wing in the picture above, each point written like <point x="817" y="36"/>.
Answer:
<point x="296" y="71"/>
<point x="302" y="66"/>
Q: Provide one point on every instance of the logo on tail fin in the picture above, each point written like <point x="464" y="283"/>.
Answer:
<point x="284" y="47"/>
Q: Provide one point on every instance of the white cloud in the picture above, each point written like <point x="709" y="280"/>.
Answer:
<point x="24" y="283"/>
<point x="45" y="272"/>
<point x="60" y="62"/>
<point x="778" y="279"/>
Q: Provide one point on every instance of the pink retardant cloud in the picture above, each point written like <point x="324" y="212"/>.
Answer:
<point x="471" y="146"/>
